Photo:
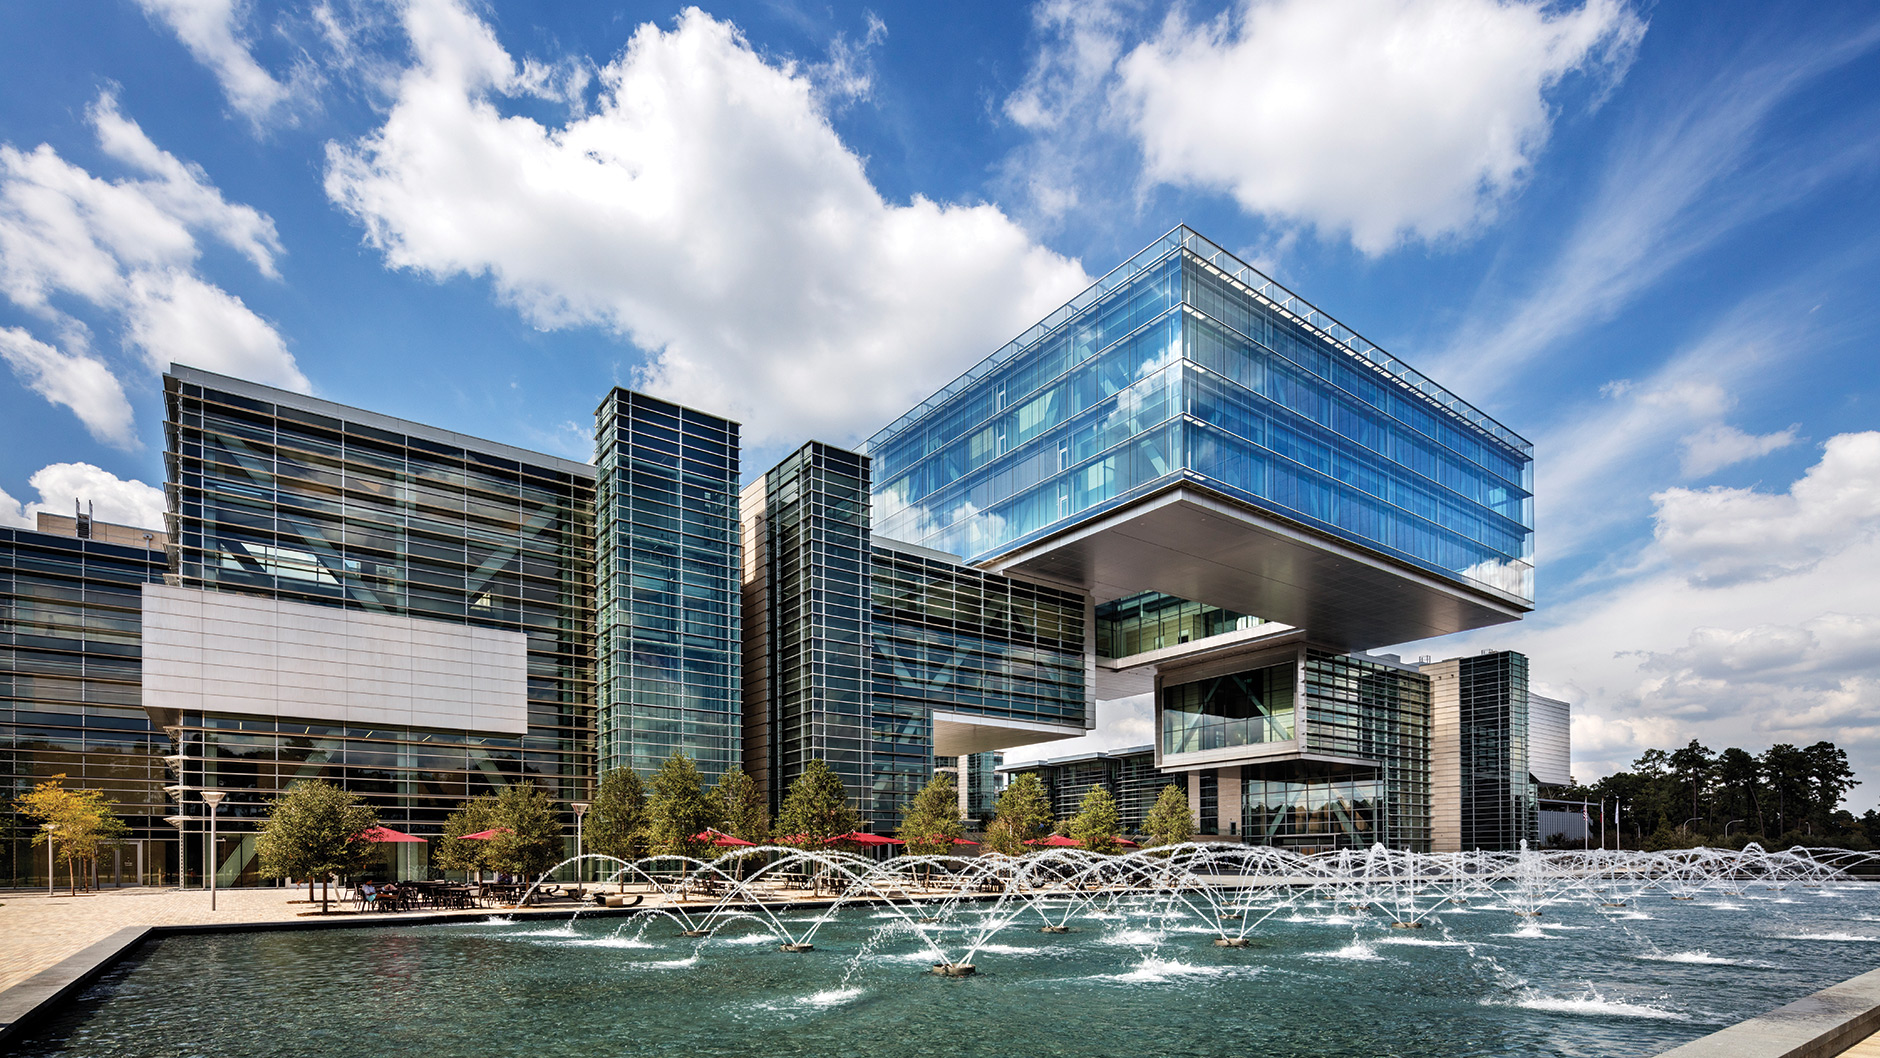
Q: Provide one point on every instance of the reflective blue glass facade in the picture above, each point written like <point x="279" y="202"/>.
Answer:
<point x="1185" y="365"/>
<point x="666" y="585"/>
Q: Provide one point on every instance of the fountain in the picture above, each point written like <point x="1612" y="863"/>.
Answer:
<point x="1090" y="924"/>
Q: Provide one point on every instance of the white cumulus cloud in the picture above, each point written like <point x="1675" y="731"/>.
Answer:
<point x="1722" y="535"/>
<point x="1380" y="119"/>
<point x="702" y="207"/>
<point x="79" y="382"/>
<point x="128" y="249"/>
<point x="1721" y="445"/>
<point x="213" y="31"/>
<point x="110" y="498"/>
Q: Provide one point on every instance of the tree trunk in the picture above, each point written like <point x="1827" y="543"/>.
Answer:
<point x="310" y="889"/>
<point x="323" y="896"/>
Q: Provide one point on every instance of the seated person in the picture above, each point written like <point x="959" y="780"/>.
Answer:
<point x="369" y="893"/>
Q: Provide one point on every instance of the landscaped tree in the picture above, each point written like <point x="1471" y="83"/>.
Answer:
<point x="680" y="810"/>
<point x="1169" y="822"/>
<point x="1096" y="822"/>
<point x="931" y="822"/>
<point x="530" y="838"/>
<point x="1002" y="837"/>
<point x="746" y="815"/>
<point x="472" y="857"/>
<point x="617" y="822"/>
<point x="83" y="822"/>
<point x="315" y="829"/>
<point x="817" y="806"/>
<point x="1022" y="814"/>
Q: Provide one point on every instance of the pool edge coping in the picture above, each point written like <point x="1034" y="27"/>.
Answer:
<point x="1826" y="1023"/>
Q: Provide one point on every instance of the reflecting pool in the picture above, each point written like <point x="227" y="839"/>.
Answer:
<point x="1135" y="975"/>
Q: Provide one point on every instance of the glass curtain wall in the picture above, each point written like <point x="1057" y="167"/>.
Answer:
<point x="815" y="661"/>
<point x="70" y="643"/>
<point x="1240" y="709"/>
<point x="1311" y="806"/>
<point x="1151" y="620"/>
<point x="949" y="637"/>
<point x="666" y="541"/>
<point x="1500" y="807"/>
<point x="288" y="497"/>
<point x="1360" y="708"/>
<point x="1186" y="358"/>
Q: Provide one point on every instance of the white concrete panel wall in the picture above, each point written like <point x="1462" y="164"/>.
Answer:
<point x="220" y="652"/>
<point x="1550" y="749"/>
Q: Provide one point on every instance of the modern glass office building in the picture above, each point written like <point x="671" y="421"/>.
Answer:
<point x="966" y="662"/>
<point x="667" y="585"/>
<point x="1185" y="388"/>
<point x="401" y="609"/>
<point x="71" y="644"/>
<point x="807" y="686"/>
<point x="1186" y="483"/>
<point x="1487" y="795"/>
<point x="884" y="659"/>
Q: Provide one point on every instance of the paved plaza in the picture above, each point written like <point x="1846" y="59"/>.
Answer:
<point x="37" y="931"/>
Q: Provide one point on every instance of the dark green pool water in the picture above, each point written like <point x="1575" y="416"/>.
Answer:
<point x="1478" y="982"/>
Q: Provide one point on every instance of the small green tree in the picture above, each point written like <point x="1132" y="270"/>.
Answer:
<point x="1096" y="822"/>
<point x="1003" y="836"/>
<point x="680" y="810"/>
<point x="530" y="838"/>
<point x="83" y="822"/>
<point x="931" y="822"/>
<point x="747" y="817"/>
<point x="817" y="806"/>
<point x="816" y="810"/>
<point x="1169" y="822"/>
<point x="1025" y="812"/>
<point x="617" y="823"/>
<point x="472" y="857"/>
<point x="316" y="829"/>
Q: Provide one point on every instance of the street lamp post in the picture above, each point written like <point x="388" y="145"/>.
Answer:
<point x="580" y="865"/>
<point x="214" y="799"/>
<point x="1731" y="823"/>
<point x="51" y="880"/>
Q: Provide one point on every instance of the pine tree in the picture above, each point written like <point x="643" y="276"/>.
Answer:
<point x="316" y="829"/>
<point x="1169" y="822"/>
<point x="1096" y="822"/>
<point x="617" y="823"/>
<point x="1022" y="814"/>
<point x="932" y="820"/>
<point x="680" y="810"/>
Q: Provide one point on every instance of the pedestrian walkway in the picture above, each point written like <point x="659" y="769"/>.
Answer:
<point x="37" y="931"/>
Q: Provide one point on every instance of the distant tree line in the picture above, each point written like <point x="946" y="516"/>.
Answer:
<point x="1782" y="797"/>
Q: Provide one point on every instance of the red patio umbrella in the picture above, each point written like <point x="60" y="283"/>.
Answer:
<point x="1128" y="844"/>
<point x="485" y="835"/>
<point x="963" y="841"/>
<point x="1056" y="841"/>
<point x="387" y="834"/>
<point x="868" y="839"/>
<point x="722" y="839"/>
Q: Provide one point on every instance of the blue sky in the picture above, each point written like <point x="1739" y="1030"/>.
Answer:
<point x="1642" y="236"/>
